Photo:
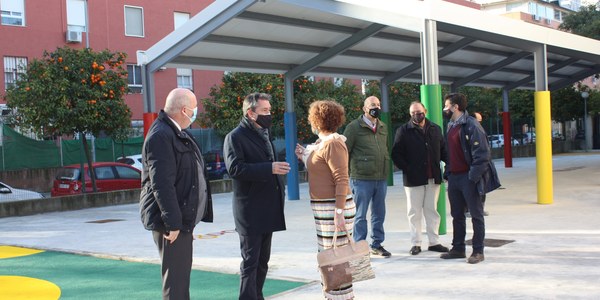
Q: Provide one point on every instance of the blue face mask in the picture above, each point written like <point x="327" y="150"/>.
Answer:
<point x="193" y="117"/>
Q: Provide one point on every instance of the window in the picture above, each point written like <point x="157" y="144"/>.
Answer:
<point x="76" y="15"/>
<point x="104" y="173"/>
<point x="134" y="78"/>
<point x="338" y="81"/>
<point x="13" y="68"/>
<point x="13" y="12"/>
<point x="134" y="21"/>
<point x="184" y="78"/>
<point x="127" y="173"/>
<point x="557" y="15"/>
<point x="180" y="19"/>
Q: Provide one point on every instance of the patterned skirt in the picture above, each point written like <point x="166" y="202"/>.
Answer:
<point x="323" y="211"/>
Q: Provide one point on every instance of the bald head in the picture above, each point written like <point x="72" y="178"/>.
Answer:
<point x="417" y="106"/>
<point x="180" y="106"/>
<point x="478" y="117"/>
<point x="178" y="99"/>
<point x="371" y="100"/>
<point x="371" y="103"/>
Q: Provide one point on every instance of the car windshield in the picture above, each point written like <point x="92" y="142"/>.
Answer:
<point x="68" y="174"/>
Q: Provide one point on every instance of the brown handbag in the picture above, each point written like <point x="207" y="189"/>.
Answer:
<point x="343" y="265"/>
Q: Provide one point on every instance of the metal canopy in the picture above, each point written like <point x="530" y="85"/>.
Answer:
<point x="371" y="40"/>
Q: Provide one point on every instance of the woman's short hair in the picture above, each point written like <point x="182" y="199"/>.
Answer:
<point x="326" y="115"/>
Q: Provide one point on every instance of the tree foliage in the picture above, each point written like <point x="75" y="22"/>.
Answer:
<point x="223" y="110"/>
<point x="72" y="91"/>
<point x="401" y="95"/>
<point x="585" y="22"/>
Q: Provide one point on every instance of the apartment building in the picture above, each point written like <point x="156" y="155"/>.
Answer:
<point x="28" y="27"/>
<point x="542" y="12"/>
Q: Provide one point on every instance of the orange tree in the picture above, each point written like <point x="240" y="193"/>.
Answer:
<point x="71" y="91"/>
<point x="223" y="110"/>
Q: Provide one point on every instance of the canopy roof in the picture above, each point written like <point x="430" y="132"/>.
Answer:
<point x="375" y="39"/>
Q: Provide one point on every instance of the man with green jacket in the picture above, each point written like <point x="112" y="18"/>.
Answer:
<point x="367" y="142"/>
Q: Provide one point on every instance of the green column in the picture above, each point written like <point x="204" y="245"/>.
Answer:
<point x="431" y="97"/>
<point x="387" y="119"/>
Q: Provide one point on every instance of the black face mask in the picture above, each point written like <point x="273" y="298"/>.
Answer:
<point x="418" y="118"/>
<point x="447" y="114"/>
<point x="264" y="121"/>
<point x="375" y="112"/>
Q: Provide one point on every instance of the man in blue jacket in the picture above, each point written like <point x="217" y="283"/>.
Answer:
<point x="258" y="191"/>
<point x="470" y="174"/>
<point x="175" y="192"/>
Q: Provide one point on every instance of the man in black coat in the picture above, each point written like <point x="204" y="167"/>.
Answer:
<point x="258" y="191"/>
<point x="175" y="192"/>
<point x="418" y="149"/>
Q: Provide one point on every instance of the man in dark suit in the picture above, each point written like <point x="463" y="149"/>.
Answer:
<point x="175" y="192"/>
<point x="258" y="191"/>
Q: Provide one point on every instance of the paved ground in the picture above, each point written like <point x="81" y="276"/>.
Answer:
<point x="555" y="253"/>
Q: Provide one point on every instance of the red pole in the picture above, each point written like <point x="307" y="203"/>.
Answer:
<point x="507" y="139"/>
<point x="148" y="120"/>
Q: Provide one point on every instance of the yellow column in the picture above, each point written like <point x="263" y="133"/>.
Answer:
<point x="543" y="147"/>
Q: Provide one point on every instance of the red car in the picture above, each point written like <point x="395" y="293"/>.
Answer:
<point x="110" y="176"/>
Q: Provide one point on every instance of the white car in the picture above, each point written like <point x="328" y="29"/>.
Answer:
<point x="132" y="160"/>
<point x="497" y="141"/>
<point x="8" y="193"/>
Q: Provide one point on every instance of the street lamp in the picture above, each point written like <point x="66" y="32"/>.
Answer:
<point x="585" y="95"/>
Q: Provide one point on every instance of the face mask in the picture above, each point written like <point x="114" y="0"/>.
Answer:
<point x="374" y="112"/>
<point x="314" y="130"/>
<point x="264" y="121"/>
<point x="194" y="114"/>
<point x="447" y="114"/>
<point x="418" y="118"/>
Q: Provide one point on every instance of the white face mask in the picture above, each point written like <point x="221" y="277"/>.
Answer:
<point x="193" y="117"/>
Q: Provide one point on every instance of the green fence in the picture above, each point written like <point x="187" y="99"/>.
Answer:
<point x="20" y="152"/>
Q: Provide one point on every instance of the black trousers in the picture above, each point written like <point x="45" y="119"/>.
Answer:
<point x="256" y="252"/>
<point x="462" y="193"/>
<point x="176" y="264"/>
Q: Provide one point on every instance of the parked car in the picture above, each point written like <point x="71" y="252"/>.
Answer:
<point x="497" y="141"/>
<point x="8" y="193"/>
<point x="132" y="160"/>
<point x="525" y="138"/>
<point x="215" y="165"/>
<point x="110" y="176"/>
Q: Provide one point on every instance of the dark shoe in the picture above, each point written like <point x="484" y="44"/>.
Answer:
<point x="452" y="254"/>
<point x="381" y="252"/>
<point x="438" y="248"/>
<point x="415" y="250"/>
<point x="476" y="258"/>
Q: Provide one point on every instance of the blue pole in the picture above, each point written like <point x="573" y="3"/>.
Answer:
<point x="291" y="138"/>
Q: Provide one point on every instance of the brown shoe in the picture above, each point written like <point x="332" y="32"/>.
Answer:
<point x="476" y="258"/>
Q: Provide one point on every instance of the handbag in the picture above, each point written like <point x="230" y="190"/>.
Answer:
<point x="343" y="265"/>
